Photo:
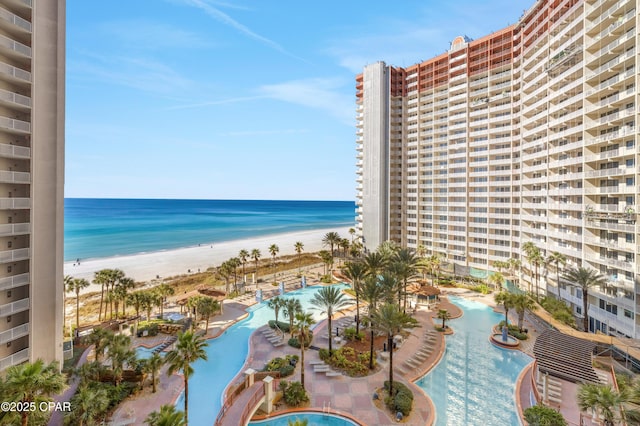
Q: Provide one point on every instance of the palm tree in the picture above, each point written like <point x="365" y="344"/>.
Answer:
<point x="75" y="285"/>
<point x="330" y="300"/>
<point x="602" y="399"/>
<point x="225" y="270"/>
<point x="352" y="232"/>
<point x="304" y="321"/>
<point x="585" y="279"/>
<point x="371" y="293"/>
<point x="389" y="286"/>
<point x="189" y="348"/>
<point x="327" y="260"/>
<point x="120" y="353"/>
<point x="153" y="365"/>
<point x="276" y="303"/>
<point x="256" y="255"/>
<point x="356" y="272"/>
<point x="500" y="265"/>
<point x="32" y="382"/>
<point x="107" y="278"/>
<point x="521" y="303"/>
<point x="88" y="405"/>
<point x="167" y="416"/>
<point x="536" y="260"/>
<point x="405" y="263"/>
<point x="299" y="247"/>
<point x="505" y="299"/>
<point x="243" y="256"/>
<point x="344" y="245"/>
<point x="164" y="290"/>
<point x="435" y="261"/>
<point x="444" y="315"/>
<point x="149" y="299"/>
<point x="234" y="263"/>
<point x="291" y="307"/>
<point x="375" y="263"/>
<point x="101" y="277"/>
<point x="273" y="250"/>
<point x="207" y="306"/>
<point x="331" y="239"/>
<point x="388" y="249"/>
<point x="389" y="319"/>
<point x="559" y="260"/>
<point x="100" y="338"/>
<point x="496" y="279"/>
<point x="126" y="283"/>
<point x="119" y="294"/>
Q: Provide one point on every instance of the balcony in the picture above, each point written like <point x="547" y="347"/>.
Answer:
<point x="14" y="307"/>
<point x="7" y="283"/>
<point x="14" y="151"/>
<point x="15" y="73"/>
<point x="11" y="229"/>
<point x="13" y="19"/>
<point x="17" y="358"/>
<point x="14" y="333"/>
<point x="14" y="255"/>
<point x="13" y="48"/>
<point x="15" y="126"/>
<point x="15" y="177"/>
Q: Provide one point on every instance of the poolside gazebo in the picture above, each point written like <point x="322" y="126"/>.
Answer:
<point x="424" y="294"/>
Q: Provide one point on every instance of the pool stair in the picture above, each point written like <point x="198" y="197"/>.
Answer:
<point x="320" y="366"/>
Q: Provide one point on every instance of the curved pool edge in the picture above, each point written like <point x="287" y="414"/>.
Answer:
<point x="518" y="388"/>
<point x="292" y="411"/>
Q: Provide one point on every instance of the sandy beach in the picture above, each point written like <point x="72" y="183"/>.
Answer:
<point x="147" y="266"/>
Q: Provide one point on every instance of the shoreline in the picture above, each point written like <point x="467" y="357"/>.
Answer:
<point x="168" y="263"/>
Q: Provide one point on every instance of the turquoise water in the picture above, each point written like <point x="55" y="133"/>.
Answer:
<point x="145" y="353"/>
<point x="315" y="419"/>
<point x="474" y="383"/>
<point x="96" y="228"/>
<point x="226" y="356"/>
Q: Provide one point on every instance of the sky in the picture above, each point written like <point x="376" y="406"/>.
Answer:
<point x="237" y="99"/>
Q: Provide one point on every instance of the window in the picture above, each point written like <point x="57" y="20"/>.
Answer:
<point x="628" y="314"/>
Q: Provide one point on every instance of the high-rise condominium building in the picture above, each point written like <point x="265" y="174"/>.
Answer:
<point x="32" y="70"/>
<point x="526" y="135"/>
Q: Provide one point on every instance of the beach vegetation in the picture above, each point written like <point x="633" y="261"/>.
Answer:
<point x="243" y="256"/>
<point x="539" y="415"/>
<point x="331" y="239"/>
<point x="75" y="285"/>
<point x="30" y="383"/>
<point x="188" y="349"/>
<point x="273" y="251"/>
<point x="330" y="300"/>
<point x="293" y="393"/>
<point x="167" y="416"/>
<point x="164" y="290"/>
<point x="327" y="261"/>
<point x="299" y="248"/>
<point x="256" y="255"/>
<point x="225" y="271"/>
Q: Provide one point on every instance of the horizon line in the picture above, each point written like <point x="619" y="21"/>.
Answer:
<point x="197" y="199"/>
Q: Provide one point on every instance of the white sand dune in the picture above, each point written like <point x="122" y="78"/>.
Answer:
<point x="146" y="266"/>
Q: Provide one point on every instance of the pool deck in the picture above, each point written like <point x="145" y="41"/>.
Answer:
<point x="337" y="394"/>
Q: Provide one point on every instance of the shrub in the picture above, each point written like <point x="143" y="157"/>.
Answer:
<point x="294" y="342"/>
<point x="323" y="354"/>
<point x="278" y="364"/>
<point x="401" y="400"/>
<point x="326" y="279"/>
<point x="293" y="393"/>
<point x="286" y="370"/>
<point x="514" y="331"/>
<point x="559" y="311"/>
<point x="539" y="415"/>
<point x="284" y="326"/>
<point x="351" y="335"/>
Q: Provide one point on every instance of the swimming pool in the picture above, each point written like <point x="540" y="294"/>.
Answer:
<point x="145" y="353"/>
<point x="227" y="354"/>
<point x="474" y="383"/>
<point x="314" y="419"/>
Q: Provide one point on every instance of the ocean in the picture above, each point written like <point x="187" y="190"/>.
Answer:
<point x="98" y="228"/>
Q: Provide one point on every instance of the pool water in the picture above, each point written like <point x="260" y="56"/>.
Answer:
<point x="226" y="356"/>
<point x="314" y="419"/>
<point x="474" y="383"/>
<point x="145" y="353"/>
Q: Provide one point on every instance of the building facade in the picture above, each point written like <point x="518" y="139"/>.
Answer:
<point x="32" y="73"/>
<point x="527" y="135"/>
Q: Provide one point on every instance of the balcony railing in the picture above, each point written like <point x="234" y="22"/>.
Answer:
<point x="14" y="333"/>
<point x="14" y="307"/>
<point x="15" y="203"/>
<point x="14" y="359"/>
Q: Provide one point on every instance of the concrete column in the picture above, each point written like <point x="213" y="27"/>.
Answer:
<point x="249" y="376"/>
<point x="268" y="394"/>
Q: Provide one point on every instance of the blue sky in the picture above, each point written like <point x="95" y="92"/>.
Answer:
<point x="237" y="99"/>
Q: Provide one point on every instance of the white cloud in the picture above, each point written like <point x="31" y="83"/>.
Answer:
<point x="330" y="95"/>
<point x="144" y="34"/>
<point x="222" y="17"/>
